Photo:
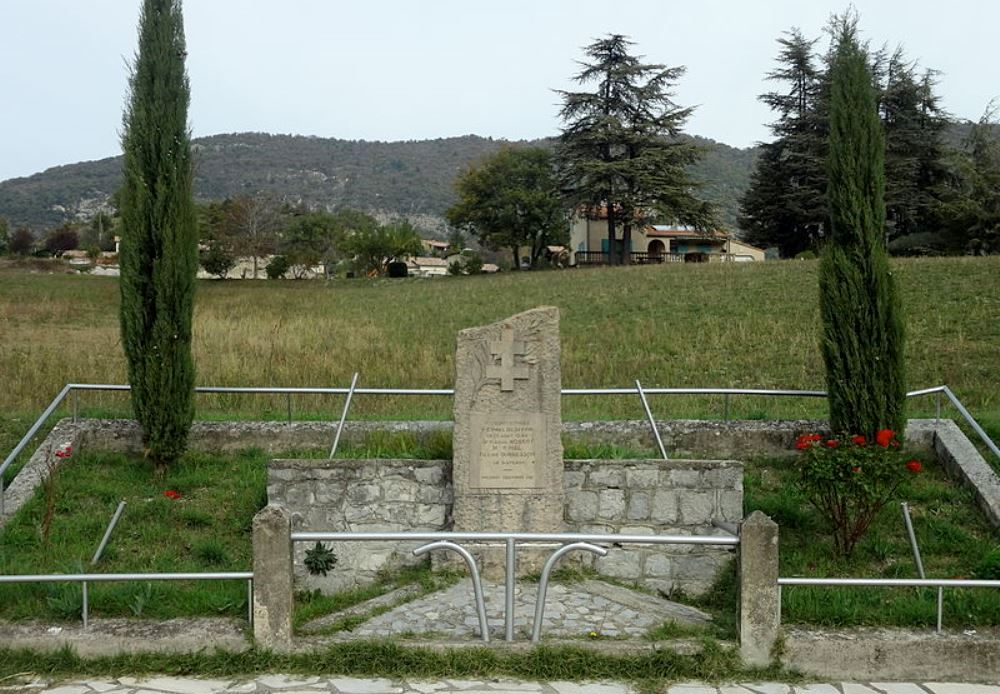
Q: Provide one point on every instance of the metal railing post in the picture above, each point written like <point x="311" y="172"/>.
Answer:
<point x="343" y="415"/>
<point x="76" y="405"/>
<point x="913" y="538"/>
<point x="288" y="405"/>
<point x="940" y="607"/>
<point x="725" y="407"/>
<point x="107" y="533"/>
<point x="97" y="556"/>
<point x="508" y="612"/>
<point x="85" y="606"/>
<point x="652" y="422"/>
<point x="971" y="420"/>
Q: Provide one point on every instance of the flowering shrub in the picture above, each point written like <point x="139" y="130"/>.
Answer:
<point x="172" y="494"/>
<point x="849" y="480"/>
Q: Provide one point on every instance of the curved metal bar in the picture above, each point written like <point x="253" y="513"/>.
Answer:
<point x="543" y="582"/>
<point x="477" y="585"/>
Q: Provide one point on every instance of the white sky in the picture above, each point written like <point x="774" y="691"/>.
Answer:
<point x="415" y="69"/>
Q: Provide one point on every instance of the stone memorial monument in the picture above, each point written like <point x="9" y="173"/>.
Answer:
<point x="508" y="468"/>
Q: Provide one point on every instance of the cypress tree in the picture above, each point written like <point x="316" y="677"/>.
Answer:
<point x="862" y="329"/>
<point x="159" y="248"/>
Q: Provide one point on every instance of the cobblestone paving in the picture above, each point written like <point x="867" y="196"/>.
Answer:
<point x="283" y="684"/>
<point x="574" y="610"/>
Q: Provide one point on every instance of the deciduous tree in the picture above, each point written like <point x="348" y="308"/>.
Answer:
<point x="374" y="248"/>
<point x="512" y="200"/>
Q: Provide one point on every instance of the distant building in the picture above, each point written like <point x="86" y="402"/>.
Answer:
<point x="435" y="247"/>
<point x="426" y="266"/>
<point x="656" y="243"/>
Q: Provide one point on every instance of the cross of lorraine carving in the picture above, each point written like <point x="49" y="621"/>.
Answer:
<point x="507" y="350"/>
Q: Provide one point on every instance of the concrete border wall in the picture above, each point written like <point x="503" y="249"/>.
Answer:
<point x="682" y="438"/>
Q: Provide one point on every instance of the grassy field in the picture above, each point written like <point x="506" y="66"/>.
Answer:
<point x="752" y="325"/>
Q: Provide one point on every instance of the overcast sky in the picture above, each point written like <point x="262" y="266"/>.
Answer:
<point x="415" y="69"/>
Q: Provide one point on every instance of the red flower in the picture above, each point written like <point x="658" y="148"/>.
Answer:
<point x="832" y="443"/>
<point x="914" y="466"/>
<point x="806" y="440"/>
<point x="884" y="437"/>
<point x="856" y="469"/>
<point x="64" y="451"/>
<point x="859" y="440"/>
<point x="172" y="494"/>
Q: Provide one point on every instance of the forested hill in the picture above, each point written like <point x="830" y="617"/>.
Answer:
<point x="412" y="178"/>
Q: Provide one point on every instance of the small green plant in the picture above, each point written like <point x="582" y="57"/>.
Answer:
<point x="989" y="568"/>
<point x="320" y="559"/>
<point x="211" y="552"/>
<point x="66" y="600"/>
<point x="142" y="597"/>
<point x="850" y="479"/>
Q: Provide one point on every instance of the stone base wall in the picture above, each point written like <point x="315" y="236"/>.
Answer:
<point x="640" y="497"/>
<point x="360" y="496"/>
<point x="656" y="497"/>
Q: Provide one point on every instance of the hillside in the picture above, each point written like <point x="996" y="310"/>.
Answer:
<point x="411" y="178"/>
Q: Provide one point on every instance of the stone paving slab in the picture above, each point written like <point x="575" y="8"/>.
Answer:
<point x="289" y="684"/>
<point x="574" y="610"/>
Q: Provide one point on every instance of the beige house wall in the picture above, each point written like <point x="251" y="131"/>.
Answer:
<point x="745" y="252"/>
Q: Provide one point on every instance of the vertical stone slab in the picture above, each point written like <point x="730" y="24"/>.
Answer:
<point x="760" y="598"/>
<point x="272" y="578"/>
<point x="508" y="466"/>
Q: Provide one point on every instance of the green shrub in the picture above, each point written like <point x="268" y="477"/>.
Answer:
<point x="850" y="481"/>
<point x="277" y="268"/>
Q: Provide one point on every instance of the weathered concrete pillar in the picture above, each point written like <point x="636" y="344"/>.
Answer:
<point x="759" y="601"/>
<point x="272" y="578"/>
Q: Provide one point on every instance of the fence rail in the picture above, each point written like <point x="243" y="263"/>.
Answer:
<point x="939" y="583"/>
<point x="352" y="390"/>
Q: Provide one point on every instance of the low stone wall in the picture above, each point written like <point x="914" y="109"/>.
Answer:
<point x="640" y="497"/>
<point x="360" y="496"/>
<point x="656" y="497"/>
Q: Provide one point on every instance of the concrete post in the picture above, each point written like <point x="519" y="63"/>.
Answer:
<point x="760" y="599"/>
<point x="272" y="578"/>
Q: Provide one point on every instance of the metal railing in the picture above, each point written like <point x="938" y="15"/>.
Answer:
<point x="938" y="583"/>
<point x="568" y="541"/>
<point x="350" y="391"/>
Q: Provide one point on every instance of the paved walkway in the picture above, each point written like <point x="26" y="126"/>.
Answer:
<point x="577" y="610"/>
<point x="282" y="684"/>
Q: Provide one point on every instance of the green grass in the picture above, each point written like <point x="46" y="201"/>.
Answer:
<point x="207" y="529"/>
<point x="752" y="325"/>
<point x="650" y="670"/>
<point x="954" y="538"/>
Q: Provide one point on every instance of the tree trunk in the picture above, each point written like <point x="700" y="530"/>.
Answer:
<point x="627" y="243"/>
<point x="517" y="260"/>
<point x="611" y="235"/>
